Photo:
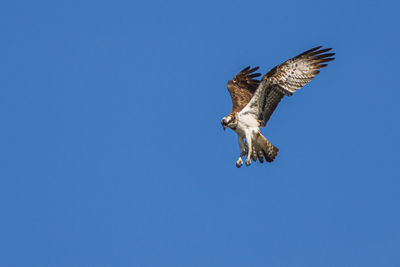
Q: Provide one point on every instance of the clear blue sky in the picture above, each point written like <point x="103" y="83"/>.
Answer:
<point x="112" y="152"/>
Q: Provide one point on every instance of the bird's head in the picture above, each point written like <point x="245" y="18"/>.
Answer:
<point x="229" y="121"/>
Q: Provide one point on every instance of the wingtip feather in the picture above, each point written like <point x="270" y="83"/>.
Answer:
<point x="311" y="50"/>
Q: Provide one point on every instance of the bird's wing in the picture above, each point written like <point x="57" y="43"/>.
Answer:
<point x="242" y="88"/>
<point x="285" y="79"/>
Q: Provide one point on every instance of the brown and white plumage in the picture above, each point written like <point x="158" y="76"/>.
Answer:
<point x="242" y="88"/>
<point x="253" y="102"/>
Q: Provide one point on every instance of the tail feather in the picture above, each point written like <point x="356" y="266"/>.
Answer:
<point x="254" y="154"/>
<point x="266" y="149"/>
<point x="260" y="156"/>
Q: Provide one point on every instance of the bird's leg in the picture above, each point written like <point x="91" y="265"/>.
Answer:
<point x="242" y="147"/>
<point x="250" y="149"/>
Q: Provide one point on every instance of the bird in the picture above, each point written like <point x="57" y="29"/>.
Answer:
<point x="254" y="101"/>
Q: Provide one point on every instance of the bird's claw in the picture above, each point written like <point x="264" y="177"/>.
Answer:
<point x="248" y="162"/>
<point x="239" y="163"/>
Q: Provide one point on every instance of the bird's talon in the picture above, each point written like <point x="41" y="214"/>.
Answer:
<point x="248" y="162"/>
<point x="239" y="163"/>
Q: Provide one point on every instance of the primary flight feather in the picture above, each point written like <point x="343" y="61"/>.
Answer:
<point x="254" y="101"/>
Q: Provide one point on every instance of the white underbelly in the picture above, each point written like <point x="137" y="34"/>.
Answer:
<point x="243" y="129"/>
<point x="240" y="131"/>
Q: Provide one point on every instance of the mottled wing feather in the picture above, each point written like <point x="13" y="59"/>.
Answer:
<point x="298" y="71"/>
<point x="285" y="79"/>
<point x="242" y="88"/>
<point x="269" y="102"/>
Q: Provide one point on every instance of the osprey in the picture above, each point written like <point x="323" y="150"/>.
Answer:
<point x="253" y="101"/>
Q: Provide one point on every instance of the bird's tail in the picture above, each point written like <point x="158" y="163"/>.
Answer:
<point x="264" y="149"/>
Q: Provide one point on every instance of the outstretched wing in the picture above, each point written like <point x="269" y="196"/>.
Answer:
<point x="285" y="79"/>
<point x="242" y="88"/>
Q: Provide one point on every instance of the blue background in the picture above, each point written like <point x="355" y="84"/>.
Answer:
<point x="112" y="152"/>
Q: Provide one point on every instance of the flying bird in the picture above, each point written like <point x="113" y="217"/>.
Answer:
<point x="254" y="101"/>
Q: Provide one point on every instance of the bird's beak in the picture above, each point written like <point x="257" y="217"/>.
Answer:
<point x="223" y="126"/>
